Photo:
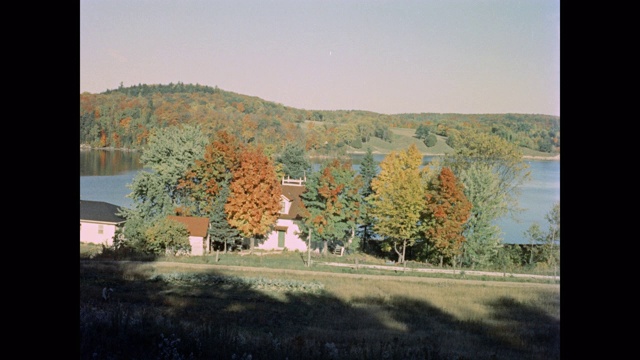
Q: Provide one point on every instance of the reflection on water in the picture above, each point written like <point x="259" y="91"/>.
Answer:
<point x="108" y="162"/>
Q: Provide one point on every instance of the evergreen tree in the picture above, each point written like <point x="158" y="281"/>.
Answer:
<point x="368" y="171"/>
<point x="221" y="231"/>
<point x="294" y="162"/>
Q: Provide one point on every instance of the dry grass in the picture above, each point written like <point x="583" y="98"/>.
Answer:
<point x="322" y="315"/>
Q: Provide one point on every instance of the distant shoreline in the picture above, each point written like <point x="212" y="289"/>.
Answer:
<point x="84" y="147"/>
<point x="550" y="158"/>
<point x="527" y="157"/>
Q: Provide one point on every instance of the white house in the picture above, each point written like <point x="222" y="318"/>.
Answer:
<point x="285" y="233"/>
<point x="198" y="233"/>
<point x="98" y="222"/>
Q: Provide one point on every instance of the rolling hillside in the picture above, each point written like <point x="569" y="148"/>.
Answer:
<point x="125" y="118"/>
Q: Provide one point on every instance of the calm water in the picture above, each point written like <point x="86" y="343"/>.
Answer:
<point x="104" y="176"/>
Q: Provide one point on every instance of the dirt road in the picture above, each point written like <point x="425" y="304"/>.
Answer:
<point x="166" y="266"/>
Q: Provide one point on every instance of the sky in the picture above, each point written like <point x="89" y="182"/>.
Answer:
<point x="389" y="57"/>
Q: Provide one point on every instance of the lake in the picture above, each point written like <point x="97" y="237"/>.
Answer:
<point x="105" y="174"/>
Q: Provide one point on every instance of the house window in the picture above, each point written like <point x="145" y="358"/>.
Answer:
<point x="100" y="229"/>
<point x="283" y="207"/>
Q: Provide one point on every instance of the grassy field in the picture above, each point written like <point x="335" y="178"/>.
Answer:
<point x="401" y="138"/>
<point x="352" y="263"/>
<point x="188" y="310"/>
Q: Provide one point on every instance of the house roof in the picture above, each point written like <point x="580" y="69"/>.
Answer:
<point x="292" y="192"/>
<point x="197" y="226"/>
<point x="100" y="211"/>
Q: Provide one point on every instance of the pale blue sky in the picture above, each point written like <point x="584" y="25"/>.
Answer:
<point x="391" y="57"/>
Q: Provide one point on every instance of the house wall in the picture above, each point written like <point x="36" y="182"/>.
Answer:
<point x="89" y="233"/>
<point x="197" y="244"/>
<point x="291" y="240"/>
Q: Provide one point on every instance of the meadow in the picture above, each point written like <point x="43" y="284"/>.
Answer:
<point x="227" y="309"/>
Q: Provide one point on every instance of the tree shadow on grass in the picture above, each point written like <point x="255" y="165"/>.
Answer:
<point x="521" y="325"/>
<point x="207" y="315"/>
<point x="511" y="331"/>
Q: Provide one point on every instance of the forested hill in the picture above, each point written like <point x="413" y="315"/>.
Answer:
<point x="124" y="118"/>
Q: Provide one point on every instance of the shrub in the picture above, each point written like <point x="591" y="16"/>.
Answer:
<point x="167" y="236"/>
<point x="430" y="140"/>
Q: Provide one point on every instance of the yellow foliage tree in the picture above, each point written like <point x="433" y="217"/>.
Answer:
<point x="397" y="199"/>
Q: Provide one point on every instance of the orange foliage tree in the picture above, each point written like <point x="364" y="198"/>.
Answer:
<point x="447" y="210"/>
<point x="203" y="181"/>
<point x="254" y="202"/>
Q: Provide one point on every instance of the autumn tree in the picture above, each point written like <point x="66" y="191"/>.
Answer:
<point x="206" y="186"/>
<point x="446" y="211"/>
<point x="254" y="200"/>
<point x="397" y="200"/>
<point x="203" y="181"/>
<point x="332" y="203"/>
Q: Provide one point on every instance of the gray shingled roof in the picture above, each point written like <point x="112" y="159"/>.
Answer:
<point x="99" y="211"/>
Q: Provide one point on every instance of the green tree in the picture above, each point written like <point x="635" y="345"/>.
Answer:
<point x="488" y="154"/>
<point x="294" y="162"/>
<point x="332" y="203"/>
<point x="507" y="258"/>
<point x="422" y="131"/>
<point x="154" y="190"/>
<point x="430" y="140"/>
<point x="548" y="241"/>
<point x="453" y="135"/>
<point x="483" y="236"/>
<point x="254" y="201"/>
<point x="167" y="236"/>
<point x="382" y="131"/>
<point x="398" y="199"/>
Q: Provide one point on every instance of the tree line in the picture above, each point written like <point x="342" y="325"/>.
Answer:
<point x="124" y="118"/>
<point x="441" y="212"/>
